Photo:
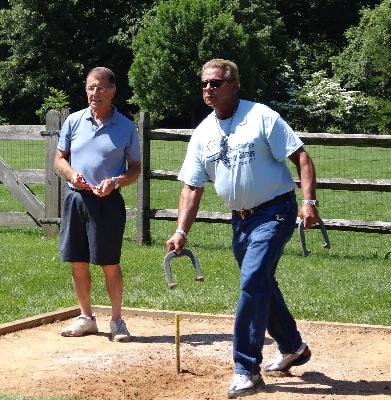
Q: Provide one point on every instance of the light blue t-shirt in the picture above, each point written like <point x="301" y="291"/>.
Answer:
<point x="244" y="157"/>
<point x="99" y="152"/>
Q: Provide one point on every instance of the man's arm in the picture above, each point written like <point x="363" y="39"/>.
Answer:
<point x="131" y="174"/>
<point x="189" y="202"/>
<point x="62" y="166"/>
<point x="306" y="171"/>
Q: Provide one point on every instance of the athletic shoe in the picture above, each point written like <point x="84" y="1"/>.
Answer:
<point x="283" y="361"/>
<point x="119" y="331"/>
<point x="242" y="385"/>
<point x="80" y="326"/>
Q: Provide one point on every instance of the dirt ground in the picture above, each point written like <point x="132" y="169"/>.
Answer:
<point x="348" y="362"/>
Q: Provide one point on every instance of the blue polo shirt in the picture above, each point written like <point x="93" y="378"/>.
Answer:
<point x="244" y="157"/>
<point x="99" y="152"/>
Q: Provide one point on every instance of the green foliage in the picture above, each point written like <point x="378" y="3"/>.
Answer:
<point x="298" y="13"/>
<point x="56" y="100"/>
<point x="171" y="47"/>
<point x="365" y="63"/>
<point x="54" y="43"/>
<point x="178" y="37"/>
<point x="323" y="105"/>
<point x="313" y="39"/>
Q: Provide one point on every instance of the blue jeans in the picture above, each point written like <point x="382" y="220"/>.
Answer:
<point x="258" y="243"/>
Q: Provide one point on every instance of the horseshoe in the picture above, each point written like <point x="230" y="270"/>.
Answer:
<point x="167" y="267"/>
<point x="326" y="241"/>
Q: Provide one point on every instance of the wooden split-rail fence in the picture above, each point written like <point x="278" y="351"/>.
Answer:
<point x="48" y="214"/>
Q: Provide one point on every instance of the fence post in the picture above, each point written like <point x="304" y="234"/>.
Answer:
<point x="143" y="183"/>
<point x="64" y="113"/>
<point x="53" y="183"/>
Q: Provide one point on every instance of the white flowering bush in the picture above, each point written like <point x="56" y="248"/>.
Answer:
<point x="329" y="106"/>
<point x="322" y="105"/>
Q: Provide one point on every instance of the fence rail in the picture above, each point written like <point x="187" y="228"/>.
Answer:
<point x="21" y="132"/>
<point x="49" y="215"/>
<point x="183" y="135"/>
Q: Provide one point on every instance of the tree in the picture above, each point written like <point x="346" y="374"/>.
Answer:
<point x="365" y="63"/>
<point x="57" y="100"/>
<point x="322" y="105"/>
<point x="316" y="29"/>
<point x="178" y="37"/>
<point x="53" y="43"/>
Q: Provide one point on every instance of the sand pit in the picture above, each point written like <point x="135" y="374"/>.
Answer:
<point x="349" y="362"/>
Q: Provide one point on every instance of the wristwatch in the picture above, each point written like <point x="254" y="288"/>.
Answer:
<point x="312" y="202"/>
<point x="116" y="182"/>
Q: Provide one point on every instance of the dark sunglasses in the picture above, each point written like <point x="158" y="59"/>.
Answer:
<point x="214" y="83"/>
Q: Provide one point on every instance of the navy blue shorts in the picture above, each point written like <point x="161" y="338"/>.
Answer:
<point x="92" y="227"/>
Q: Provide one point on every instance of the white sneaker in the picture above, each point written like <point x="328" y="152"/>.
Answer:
<point x="282" y="361"/>
<point x="80" y="326"/>
<point x="242" y="384"/>
<point x="119" y="331"/>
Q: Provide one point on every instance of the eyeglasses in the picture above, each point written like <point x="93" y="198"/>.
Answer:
<point x="214" y="83"/>
<point x="99" y="89"/>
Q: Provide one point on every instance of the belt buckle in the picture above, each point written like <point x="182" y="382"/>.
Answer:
<point x="245" y="213"/>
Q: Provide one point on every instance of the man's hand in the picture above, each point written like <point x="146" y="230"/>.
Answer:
<point x="104" y="188"/>
<point x="309" y="214"/>
<point x="79" y="183"/>
<point x="176" y="242"/>
<point x="189" y="201"/>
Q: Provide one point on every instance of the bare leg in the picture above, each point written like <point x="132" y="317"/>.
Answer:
<point x="81" y="279"/>
<point x="114" y="286"/>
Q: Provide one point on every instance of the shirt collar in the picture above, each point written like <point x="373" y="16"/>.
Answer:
<point x="239" y="117"/>
<point x="113" y="119"/>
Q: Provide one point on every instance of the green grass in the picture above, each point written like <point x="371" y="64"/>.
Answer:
<point x="349" y="283"/>
<point x="23" y="153"/>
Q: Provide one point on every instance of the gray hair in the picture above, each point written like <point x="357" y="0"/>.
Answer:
<point x="103" y="72"/>
<point x="230" y="69"/>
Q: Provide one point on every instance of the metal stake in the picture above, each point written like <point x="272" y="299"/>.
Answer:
<point x="177" y="343"/>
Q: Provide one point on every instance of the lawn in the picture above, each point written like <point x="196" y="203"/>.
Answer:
<point x="349" y="283"/>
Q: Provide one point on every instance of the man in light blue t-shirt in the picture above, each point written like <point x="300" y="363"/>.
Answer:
<point x="242" y="148"/>
<point x="98" y="152"/>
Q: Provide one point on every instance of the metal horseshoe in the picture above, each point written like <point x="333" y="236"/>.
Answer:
<point x="167" y="267"/>
<point x="326" y="241"/>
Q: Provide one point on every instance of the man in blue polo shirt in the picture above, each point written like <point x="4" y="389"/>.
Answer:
<point x="242" y="148"/>
<point x="98" y="152"/>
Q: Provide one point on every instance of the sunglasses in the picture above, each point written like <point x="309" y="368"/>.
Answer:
<point x="214" y="83"/>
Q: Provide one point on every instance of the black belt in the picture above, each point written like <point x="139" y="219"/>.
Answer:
<point x="91" y="192"/>
<point x="277" y="200"/>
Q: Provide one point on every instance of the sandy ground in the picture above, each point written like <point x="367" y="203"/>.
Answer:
<point x="348" y="362"/>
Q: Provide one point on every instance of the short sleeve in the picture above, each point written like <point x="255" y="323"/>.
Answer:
<point x="282" y="140"/>
<point x="193" y="171"/>
<point x="132" y="150"/>
<point x="64" y="141"/>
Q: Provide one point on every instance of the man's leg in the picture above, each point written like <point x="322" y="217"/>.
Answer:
<point x="281" y="325"/>
<point x="114" y="287"/>
<point x="81" y="279"/>
<point x="258" y="243"/>
<point x="86" y="322"/>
